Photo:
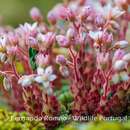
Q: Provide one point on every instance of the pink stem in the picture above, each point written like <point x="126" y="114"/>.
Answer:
<point x="74" y="63"/>
<point x="15" y="71"/>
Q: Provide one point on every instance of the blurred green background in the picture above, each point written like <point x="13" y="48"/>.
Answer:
<point x="14" y="12"/>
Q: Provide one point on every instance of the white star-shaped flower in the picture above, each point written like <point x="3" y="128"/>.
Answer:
<point x="26" y="80"/>
<point x="45" y="76"/>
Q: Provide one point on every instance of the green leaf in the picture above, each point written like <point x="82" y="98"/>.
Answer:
<point x="32" y="53"/>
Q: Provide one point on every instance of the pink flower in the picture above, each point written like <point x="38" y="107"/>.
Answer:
<point x="13" y="38"/>
<point x="12" y="50"/>
<point x="46" y="40"/>
<point x="60" y="59"/>
<point x="31" y="41"/>
<point x="42" y="60"/>
<point x="118" y="55"/>
<point x="62" y="41"/>
<point x="85" y="12"/>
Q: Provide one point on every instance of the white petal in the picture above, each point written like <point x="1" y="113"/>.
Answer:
<point x="49" y="70"/>
<point x="34" y="25"/>
<point x="122" y="44"/>
<point x="95" y="35"/>
<point x="6" y="83"/>
<point x="120" y="65"/>
<point x="49" y="90"/>
<point x="124" y="76"/>
<point x="40" y="71"/>
<point x="46" y="84"/>
<point x="52" y="77"/>
<point x="116" y="12"/>
<point x="126" y="57"/>
<point x="115" y="78"/>
<point x="39" y="79"/>
<point x="26" y="82"/>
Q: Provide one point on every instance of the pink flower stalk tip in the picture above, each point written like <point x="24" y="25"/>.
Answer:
<point x="36" y="14"/>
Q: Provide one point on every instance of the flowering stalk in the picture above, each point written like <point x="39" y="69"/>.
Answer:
<point x="84" y="46"/>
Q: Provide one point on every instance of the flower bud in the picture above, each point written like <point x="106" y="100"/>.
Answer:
<point x="42" y="60"/>
<point x="12" y="50"/>
<point x="103" y="2"/>
<point x="3" y="57"/>
<point x="126" y="57"/>
<point x="46" y="40"/>
<point x="70" y="34"/>
<point x="62" y="41"/>
<point x="3" y="41"/>
<point x="31" y="41"/>
<point x="119" y="65"/>
<point x="115" y="12"/>
<point x="51" y="18"/>
<point x="82" y="2"/>
<point x="85" y="12"/>
<point x="100" y="21"/>
<point x="122" y="3"/>
<point x="102" y="60"/>
<point x="118" y="55"/>
<point x="121" y="44"/>
<point x="109" y="38"/>
<point x="6" y="83"/>
<point x="64" y="71"/>
<point x="124" y="76"/>
<point x="35" y="14"/>
<point x="13" y="39"/>
<point x="71" y="15"/>
<point x="96" y="35"/>
<point x="60" y="59"/>
<point x="116" y="78"/>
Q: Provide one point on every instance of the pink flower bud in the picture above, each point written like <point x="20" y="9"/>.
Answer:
<point x="102" y="60"/>
<point x="70" y="15"/>
<point x="35" y="14"/>
<point x="13" y="39"/>
<point x="3" y="57"/>
<point x="31" y="41"/>
<point x="82" y="2"/>
<point x="109" y="38"/>
<point x="100" y="21"/>
<point x="70" y="33"/>
<point x="121" y="44"/>
<point x="122" y="3"/>
<point x="85" y="12"/>
<point x="60" y="59"/>
<point x="62" y="41"/>
<point x="119" y="65"/>
<point x="12" y="50"/>
<point x="51" y="18"/>
<point x="7" y="83"/>
<point x="46" y="40"/>
<point x="64" y="71"/>
<point x="103" y="2"/>
<point x="42" y="59"/>
<point x="126" y="57"/>
<point x="118" y="55"/>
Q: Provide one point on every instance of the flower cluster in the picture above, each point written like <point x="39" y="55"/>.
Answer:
<point x="84" y="46"/>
